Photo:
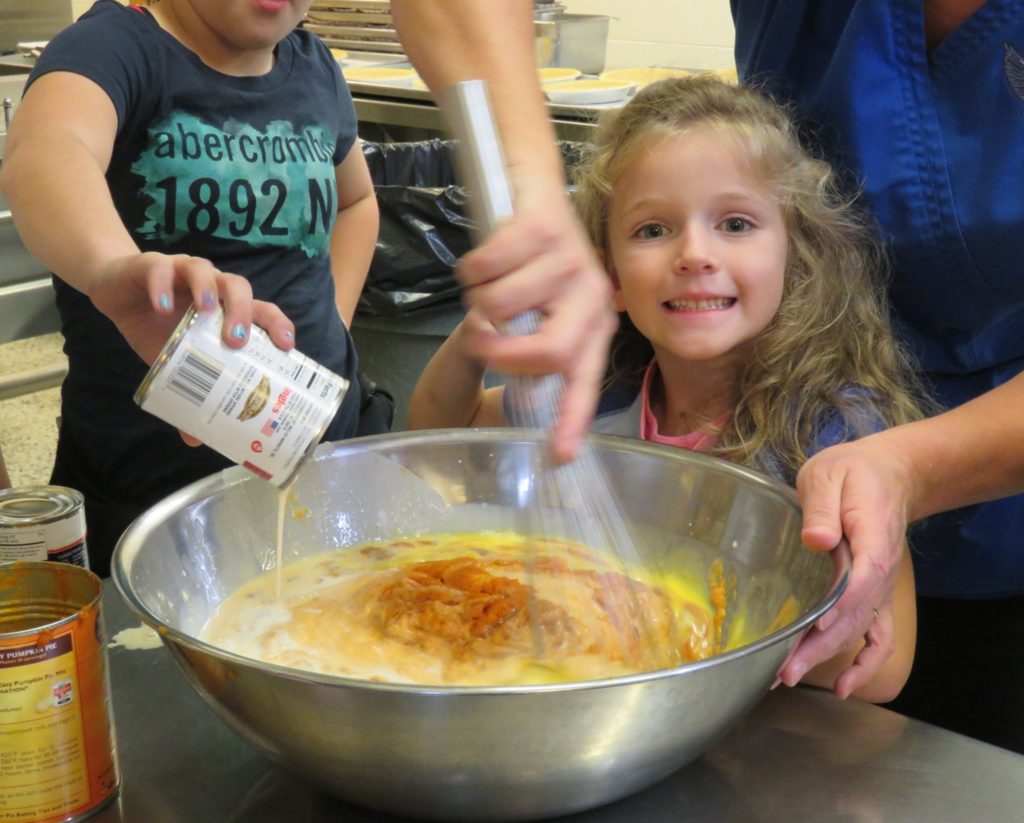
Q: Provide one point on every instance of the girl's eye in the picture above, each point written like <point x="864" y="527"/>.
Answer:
<point x="736" y="225"/>
<point x="650" y="231"/>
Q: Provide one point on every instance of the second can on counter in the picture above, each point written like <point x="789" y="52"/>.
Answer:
<point x="262" y="407"/>
<point x="43" y="523"/>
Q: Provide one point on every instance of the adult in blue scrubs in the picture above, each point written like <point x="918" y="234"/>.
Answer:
<point x="928" y="112"/>
<point x="922" y="101"/>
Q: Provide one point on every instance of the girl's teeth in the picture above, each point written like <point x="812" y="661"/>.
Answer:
<point x="700" y="305"/>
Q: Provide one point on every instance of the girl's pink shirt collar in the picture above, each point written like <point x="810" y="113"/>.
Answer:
<point x="701" y="440"/>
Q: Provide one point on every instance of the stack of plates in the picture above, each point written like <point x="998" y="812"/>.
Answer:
<point x="355" y="25"/>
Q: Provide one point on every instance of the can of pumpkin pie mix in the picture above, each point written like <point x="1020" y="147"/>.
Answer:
<point x="57" y="756"/>
<point x="262" y="407"/>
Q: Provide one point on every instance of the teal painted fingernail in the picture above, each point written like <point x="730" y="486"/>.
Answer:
<point x="165" y="301"/>
<point x="209" y="299"/>
<point x="238" y="332"/>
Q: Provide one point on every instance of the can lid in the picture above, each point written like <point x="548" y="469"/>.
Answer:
<point x="37" y="505"/>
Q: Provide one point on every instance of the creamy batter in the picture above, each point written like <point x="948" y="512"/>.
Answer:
<point x="467" y="609"/>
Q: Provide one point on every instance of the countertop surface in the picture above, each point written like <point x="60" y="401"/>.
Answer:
<point x="801" y="755"/>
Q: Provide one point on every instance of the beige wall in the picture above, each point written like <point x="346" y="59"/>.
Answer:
<point x="686" y="33"/>
<point x="80" y="7"/>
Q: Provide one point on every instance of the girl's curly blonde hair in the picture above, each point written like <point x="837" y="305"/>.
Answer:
<point x="830" y="347"/>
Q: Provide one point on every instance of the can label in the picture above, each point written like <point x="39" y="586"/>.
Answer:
<point x="57" y="759"/>
<point x="43" y="523"/>
<point x="261" y="407"/>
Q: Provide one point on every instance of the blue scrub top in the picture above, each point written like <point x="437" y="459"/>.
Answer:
<point x="937" y="142"/>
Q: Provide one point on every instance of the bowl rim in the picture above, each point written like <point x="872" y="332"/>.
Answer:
<point x="128" y="546"/>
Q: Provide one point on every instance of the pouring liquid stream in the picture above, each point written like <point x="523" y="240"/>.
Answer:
<point x="282" y="507"/>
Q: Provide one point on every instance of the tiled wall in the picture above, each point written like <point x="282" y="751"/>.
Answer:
<point x="686" y="33"/>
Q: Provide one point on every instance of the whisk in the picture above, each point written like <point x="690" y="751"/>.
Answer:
<point x="575" y="500"/>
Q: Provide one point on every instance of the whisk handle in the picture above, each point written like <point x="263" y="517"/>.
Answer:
<point x="533" y="402"/>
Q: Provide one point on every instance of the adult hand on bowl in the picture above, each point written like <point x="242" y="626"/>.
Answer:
<point x="860" y="490"/>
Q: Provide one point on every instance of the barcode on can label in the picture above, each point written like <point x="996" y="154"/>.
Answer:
<point x="195" y="376"/>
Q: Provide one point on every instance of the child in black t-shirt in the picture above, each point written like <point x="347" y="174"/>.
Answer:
<point x="183" y="153"/>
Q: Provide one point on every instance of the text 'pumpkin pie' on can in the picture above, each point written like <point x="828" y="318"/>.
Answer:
<point x="58" y="760"/>
<point x="260" y="406"/>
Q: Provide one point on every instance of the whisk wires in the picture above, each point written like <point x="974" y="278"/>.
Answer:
<point x="574" y="501"/>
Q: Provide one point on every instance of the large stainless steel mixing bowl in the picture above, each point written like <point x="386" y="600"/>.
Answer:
<point x="510" y="753"/>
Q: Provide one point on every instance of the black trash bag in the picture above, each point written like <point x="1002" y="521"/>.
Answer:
<point x="431" y="163"/>
<point x="425" y="163"/>
<point x="424" y="229"/>
<point x="423" y="233"/>
<point x="424" y="226"/>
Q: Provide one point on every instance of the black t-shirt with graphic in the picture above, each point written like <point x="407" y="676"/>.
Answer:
<point x="239" y="170"/>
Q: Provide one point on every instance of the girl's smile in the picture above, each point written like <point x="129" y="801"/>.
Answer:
<point x="699" y="304"/>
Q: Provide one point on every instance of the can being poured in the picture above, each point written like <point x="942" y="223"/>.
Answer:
<point x="43" y="523"/>
<point x="259" y="406"/>
<point x="57" y="755"/>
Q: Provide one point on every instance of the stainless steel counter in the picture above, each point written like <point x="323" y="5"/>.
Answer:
<point x="16" y="63"/>
<point x="801" y="755"/>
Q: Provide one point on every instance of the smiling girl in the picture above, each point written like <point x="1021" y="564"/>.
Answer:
<point x="753" y="320"/>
